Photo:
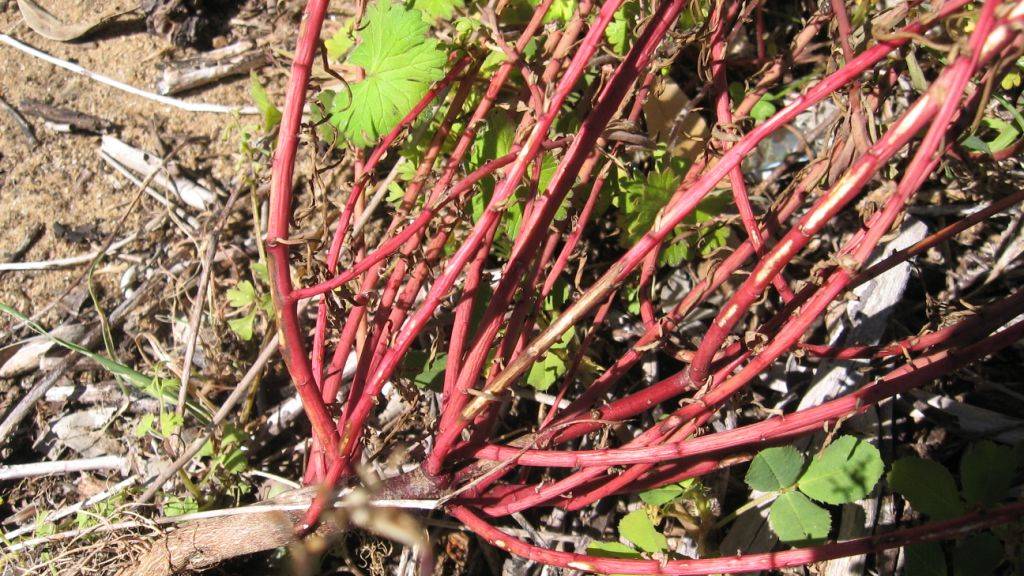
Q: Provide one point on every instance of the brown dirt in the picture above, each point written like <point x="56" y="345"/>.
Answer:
<point x="63" y="179"/>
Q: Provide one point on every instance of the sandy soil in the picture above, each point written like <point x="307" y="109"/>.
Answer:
<point x="63" y="180"/>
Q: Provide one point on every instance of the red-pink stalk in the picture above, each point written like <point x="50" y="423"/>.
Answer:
<point x="933" y="531"/>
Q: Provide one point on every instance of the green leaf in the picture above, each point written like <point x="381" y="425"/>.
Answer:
<point x="675" y="253"/>
<point x="259" y="270"/>
<point x="763" y="110"/>
<point x="494" y="140"/>
<point x="662" y="495"/>
<point x="320" y="113"/>
<point x="243" y="327"/>
<point x="206" y="450"/>
<point x="177" y="506"/>
<point x="736" y="91"/>
<point x="170" y="423"/>
<point x="434" y="10"/>
<point x="1011" y="80"/>
<point x="426" y="372"/>
<point x="639" y="200"/>
<point x="978" y="555"/>
<point x="560" y="10"/>
<point x="465" y="25"/>
<point x="611" y="550"/>
<point x="269" y="113"/>
<point x="552" y="366"/>
<point x="546" y="371"/>
<point x="925" y="559"/>
<point x="775" y="468"/>
<point x="400" y="62"/>
<point x="928" y="486"/>
<point x="638" y="529"/>
<point x="340" y="42"/>
<point x="144" y="425"/>
<point x="999" y="135"/>
<point x="241" y="295"/>
<point x="232" y="454"/>
<point x="845" y="471"/>
<point x="797" y="520"/>
<point x="43" y="527"/>
<point x="621" y="27"/>
<point x="986" y="472"/>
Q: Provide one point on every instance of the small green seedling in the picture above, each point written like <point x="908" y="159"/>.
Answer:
<point x="244" y="298"/>
<point x="639" y="535"/>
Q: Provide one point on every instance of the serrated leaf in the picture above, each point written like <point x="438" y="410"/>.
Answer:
<point x="843" y="472"/>
<point x="638" y="529"/>
<point x="561" y="10"/>
<point x="775" y="468"/>
<point x="928" y="486"/>
<point x="925" y="559"/>
<point x="43" y="527"/>
<point x="675" y="253"/>
<point x="465" y="25"/>
<point x="243" y="327"/>
<point x="986" y="472"/>
<point x="619" y="29"/>
<point x="978" y="555"/>
<point x="340" y="42"/>
<point x="662" y="495"/>
<point x="399" y="61"/>
<point x="269" y="113"/>
<point x="241" y="295"/>
<point x="434" y="10"/>
<point x="259" y="270"/>
<point x="494" y="139"/>
<point x="170" y="423"/>
<point x="639" y="200"/>
<point x="144" y="425"/>
<point x="797" y="520"/>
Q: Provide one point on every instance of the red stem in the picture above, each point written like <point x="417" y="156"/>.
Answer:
<point x="932" y="531"/>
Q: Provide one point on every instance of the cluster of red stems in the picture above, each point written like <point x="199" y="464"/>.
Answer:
<point x="463" y="459"/>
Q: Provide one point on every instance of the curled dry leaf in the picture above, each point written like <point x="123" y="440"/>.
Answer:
<point x="49" y="26"/>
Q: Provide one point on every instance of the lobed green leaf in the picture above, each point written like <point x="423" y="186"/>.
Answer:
<point x="399" y="62"/>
